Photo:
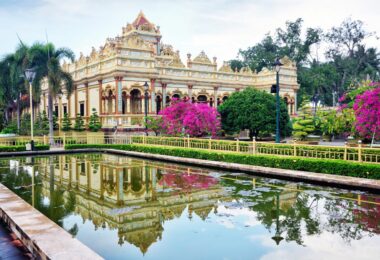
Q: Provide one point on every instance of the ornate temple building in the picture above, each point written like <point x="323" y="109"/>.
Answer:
<point x="111" y="79"/>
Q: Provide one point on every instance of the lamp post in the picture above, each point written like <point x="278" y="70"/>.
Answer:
<point x="277" y="64"/>
<point x="30" y="74"/>
<point x="277" y="237"/>
<point x="60" y="94"/>
<point x="146" y="87"/>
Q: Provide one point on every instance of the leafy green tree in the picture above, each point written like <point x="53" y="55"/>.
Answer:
<point x="47" y="61"/>
<point x="254" y="110"/>
<point x="41" y="124"/>
<point x="304" y="124"/>
<point x="79" y="123"/>
<point x="66" y="123"/>
<point x="348" y="53"/>
<point x="55" y="122"/>
<point x="94" y="124"/>
<point x="154" y="124"/>
<point x="12" y="82"/>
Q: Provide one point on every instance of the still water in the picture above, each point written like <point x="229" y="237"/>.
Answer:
<point x="127" y="208"/>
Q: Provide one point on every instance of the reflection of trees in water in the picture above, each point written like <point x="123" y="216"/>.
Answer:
<point x="54" y="206"/>
<point x="352" y="221"/>
<point x="303" y="215"/>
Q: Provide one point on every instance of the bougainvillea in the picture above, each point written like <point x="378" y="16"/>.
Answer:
<point x="186" y="118"/>
<point x="367" y="113"/>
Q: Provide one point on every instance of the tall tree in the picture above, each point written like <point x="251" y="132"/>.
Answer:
<point x="348" y="53"/>
<point x="254" y="110"/>
<point x="47" y="61"/>
<point x="12" y="80"/>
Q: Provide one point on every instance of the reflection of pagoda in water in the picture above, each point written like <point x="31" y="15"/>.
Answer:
<point x="133" y="196"/>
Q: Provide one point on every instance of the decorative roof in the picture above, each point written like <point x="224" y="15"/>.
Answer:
<point x="246" y="70"/>
<point x="202" y="58"/>
<point x="226" y="67"/>
<point x="141" y="23"/>
<point x="176" y="62"/>
<point x="287" y="62"/>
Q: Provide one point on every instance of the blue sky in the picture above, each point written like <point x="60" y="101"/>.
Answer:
<point x="219" y="27"/>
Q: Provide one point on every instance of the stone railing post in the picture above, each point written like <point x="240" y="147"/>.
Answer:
<point x="44" y="139"/>
<point x="294" y="147"/>
<point x="237" y="145"/>
<point x="253" y="145"/>
<point x="188" y="141"/>
<point x="360" y="151"/>
<point x="345" y="151"/>
<point x="209" y="144"/>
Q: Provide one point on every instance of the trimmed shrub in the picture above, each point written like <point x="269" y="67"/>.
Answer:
<point x="337" y="167"/>
<point x="21" y="148"/>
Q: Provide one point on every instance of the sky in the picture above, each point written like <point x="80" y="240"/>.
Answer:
<point x="219" y="27"/>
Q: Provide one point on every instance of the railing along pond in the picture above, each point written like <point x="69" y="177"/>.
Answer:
<point x="358" y="153"/>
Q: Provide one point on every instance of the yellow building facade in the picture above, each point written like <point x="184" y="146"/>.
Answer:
<point x="111" y="79"/>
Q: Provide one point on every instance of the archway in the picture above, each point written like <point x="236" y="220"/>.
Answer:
<point x="225" y="98"/>
<point x="136" y="101"/>
<point x="124" y="103"/>
<point x="158" y="103"/>
<point x="202" y="99"/>
<point x="176" y="96"/>
<point x="109" y="102"/>
<point x="168" y="101"/>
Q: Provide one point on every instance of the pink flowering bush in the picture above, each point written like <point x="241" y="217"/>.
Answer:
<point x="367" y="113"/>
<point x="186" y="118"/>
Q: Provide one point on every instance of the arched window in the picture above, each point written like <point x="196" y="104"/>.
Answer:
<point x="136" y="101"/>
<point x="225" y="98"/>
<point x="168" y="101"/>
<point x="202" y="99"/>
<point x="158" y="103"/>
<point x="109" y="102"/>
<point x="124" y="103"/>
<point x="218" y="101"/>
<point x="211" y="102"/>
<point x="177" y="96"/>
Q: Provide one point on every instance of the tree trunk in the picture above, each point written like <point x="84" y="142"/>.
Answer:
<point x="18" y="114"/>
<point x="50" y="115"/>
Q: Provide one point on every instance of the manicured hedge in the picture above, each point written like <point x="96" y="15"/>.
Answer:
<point x="21" y="148"/>
<point x="268" y="148"/>
<point x="337" y="167"/>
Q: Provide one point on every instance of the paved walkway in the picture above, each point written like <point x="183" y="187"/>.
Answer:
<point x="10" y="248"/>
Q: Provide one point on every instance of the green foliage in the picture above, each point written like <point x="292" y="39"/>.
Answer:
<point x="55" y="122"/>
<point x="21" y="148"/>
<point x="66" y="123"/>
<point x="254" y="110"/>
<point x="154" y="124"/>
<point x="79" y="123"/>
<point x="304" y="123"/>
<point x="327" y="122"/>
<point x="41" y="124"/>
<point x="10" y="128"/>
<point x="336" y="167"/>
<point x="94" y="124"/>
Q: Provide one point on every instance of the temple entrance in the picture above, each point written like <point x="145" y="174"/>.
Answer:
<point x="136" y="102"/>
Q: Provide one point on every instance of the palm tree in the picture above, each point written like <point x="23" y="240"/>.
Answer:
<point x="46" y="59"/>
<point x="12" y="81"/>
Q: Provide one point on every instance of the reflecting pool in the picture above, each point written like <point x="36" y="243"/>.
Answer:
<point x="127" y="208"/>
